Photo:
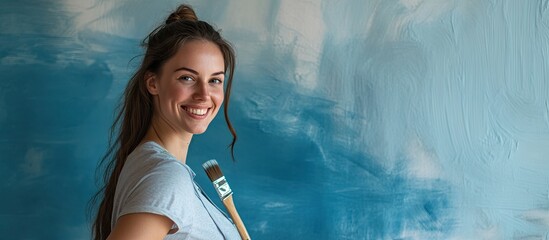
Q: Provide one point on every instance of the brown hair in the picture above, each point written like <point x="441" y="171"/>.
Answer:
<point x="135" y="111"/>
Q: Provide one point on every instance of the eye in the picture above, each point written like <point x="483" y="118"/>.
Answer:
<point x="185" y="78"/>
<point x="216" y="81"/>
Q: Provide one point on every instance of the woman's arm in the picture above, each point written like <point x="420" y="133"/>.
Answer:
<point x="141" y="226"/>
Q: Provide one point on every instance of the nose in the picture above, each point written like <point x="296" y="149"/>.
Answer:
<point x="201" y="91"/>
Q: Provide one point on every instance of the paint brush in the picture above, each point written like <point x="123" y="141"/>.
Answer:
<point x="226" y="194"/>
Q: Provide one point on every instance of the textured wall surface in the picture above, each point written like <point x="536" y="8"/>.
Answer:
<point x="378" y="119"/>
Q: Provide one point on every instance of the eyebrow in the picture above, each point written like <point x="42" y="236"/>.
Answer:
<point x="195" y="72"/>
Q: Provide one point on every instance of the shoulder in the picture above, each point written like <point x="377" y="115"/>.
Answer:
<point x="151" y="154"/>
<point x="149" y="158"/>
<point x="153" y="181"/>
<point x="150" y="166"/>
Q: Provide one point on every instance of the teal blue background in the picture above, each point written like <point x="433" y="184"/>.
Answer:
<point x="378" y="119"/>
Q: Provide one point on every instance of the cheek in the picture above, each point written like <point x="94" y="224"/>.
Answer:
<point x="176" y="93"/>
<point x="218" y="97"/>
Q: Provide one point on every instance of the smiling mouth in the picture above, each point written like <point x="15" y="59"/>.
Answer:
<point x="196" y="111"/>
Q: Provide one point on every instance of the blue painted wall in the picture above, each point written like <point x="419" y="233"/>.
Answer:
<point x="410" y="119"/>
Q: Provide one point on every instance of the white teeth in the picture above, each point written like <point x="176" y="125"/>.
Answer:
<point x="196" y="111"/>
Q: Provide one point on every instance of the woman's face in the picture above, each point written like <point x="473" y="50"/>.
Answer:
<point x="188" y="90"/>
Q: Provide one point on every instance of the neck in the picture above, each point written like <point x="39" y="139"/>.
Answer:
<point x="175" y="143"/>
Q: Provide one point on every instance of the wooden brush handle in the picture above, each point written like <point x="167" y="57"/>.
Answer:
<point x="229" y="204"/>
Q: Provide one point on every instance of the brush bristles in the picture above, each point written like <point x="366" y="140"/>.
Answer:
<point x="212" y="170"/>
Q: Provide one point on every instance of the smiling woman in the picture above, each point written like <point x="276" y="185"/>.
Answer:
<point x="177" y="91"/>
<point x="189" y="88"/>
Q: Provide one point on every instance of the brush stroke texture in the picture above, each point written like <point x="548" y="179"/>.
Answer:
<point x="400" y="119"/>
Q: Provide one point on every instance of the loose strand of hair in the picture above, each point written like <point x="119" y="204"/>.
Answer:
<point x="231" y="64"/>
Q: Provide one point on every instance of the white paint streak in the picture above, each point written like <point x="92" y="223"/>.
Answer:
<point x="422" y="163"/>
<point x="537" y="216"/>
<point x="301" y="27"/>
<point x="418" y="12"/>
<point x="253" y="18"/>
<point x="91" y="15"/>
<point x="276" y="205"/>
<point x="485" y="226"/>
<point x="420" y="235"/>
<point x="20" y="58"/>
<point x="261" y="227"/>
<point x="117" y="18"/>
<point x="489" y="233"/>
<point x="425" y="11"/>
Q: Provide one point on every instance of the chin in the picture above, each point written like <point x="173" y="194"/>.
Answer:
<point x="198" y="131"/>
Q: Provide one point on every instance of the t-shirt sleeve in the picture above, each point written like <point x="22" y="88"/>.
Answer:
<point x="162" y="189"/>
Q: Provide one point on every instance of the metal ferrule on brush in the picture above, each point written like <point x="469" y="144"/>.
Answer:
<point x="222" y="187"/>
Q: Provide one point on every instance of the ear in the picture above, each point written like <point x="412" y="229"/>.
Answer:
<point x="152" y="83"/>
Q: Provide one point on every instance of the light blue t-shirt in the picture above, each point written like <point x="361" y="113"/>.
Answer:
<point x="153" y="181"/>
